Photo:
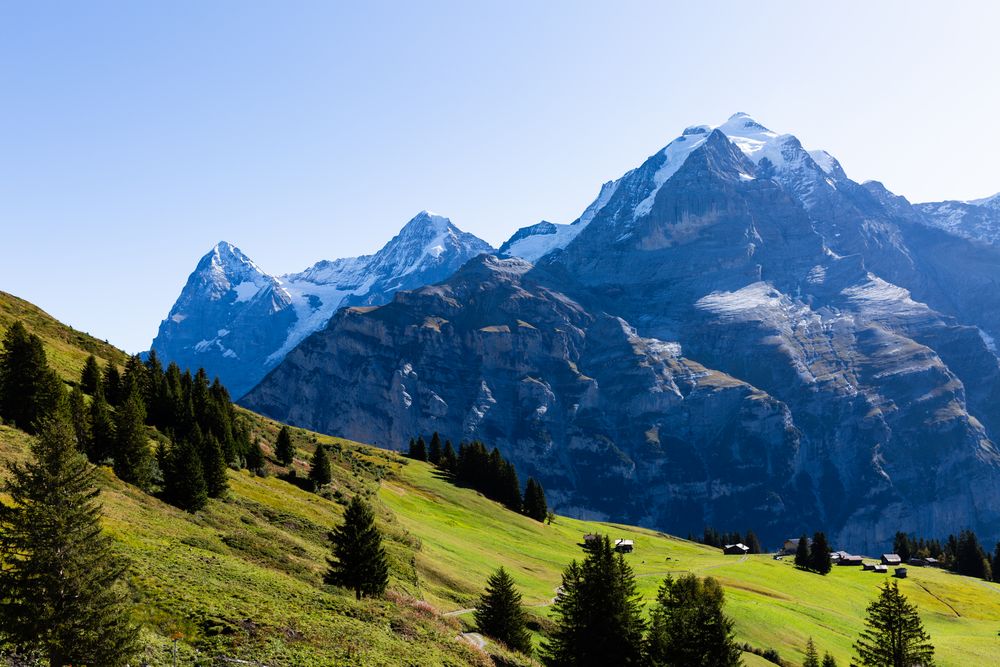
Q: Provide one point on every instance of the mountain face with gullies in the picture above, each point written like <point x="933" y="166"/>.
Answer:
<point x="733" y="334"/>
<point x="238" y="322"/>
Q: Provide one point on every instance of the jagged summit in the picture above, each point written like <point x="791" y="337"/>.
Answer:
<point x="238" y="321"/>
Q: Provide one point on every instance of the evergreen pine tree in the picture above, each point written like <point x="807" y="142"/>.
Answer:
<point x="90" y="377"/>
<point x="534" y="500"/>
<point x="819" y="554"/>
<point x="688" y="626"/>
<point x="359" y="560"/>
<point x="812" y="657"/>
<point x="213" y="466"/>
<point x="996" y="562"/>
<point x="183" y="479"/>
<point x="101" y="445"/>
<point x="500" y="615"/>
<point x="62" y="594"/>
<point x="133" y="460"/>
<point x="283" y="450"/>
<point x="449" y="460"/>
<point x="510" y="488"/>
<point x="112" y="383"/>
<point x="434" y="451"/>
<point x="255" y="457"/>
<point x="802" y="552"/>
<point x="894" y="637"/>
<point x="753" y="542"/>
<point x="901" y="546"/>
<point x="29" y="389"/>
<point x="419" y="450"/>
<point x="970" y="559"/>
<point x="80" y="418"/>
<point x="828" y="661"/>
<point x="599" y="614"/>
<point x="319" y="470"/>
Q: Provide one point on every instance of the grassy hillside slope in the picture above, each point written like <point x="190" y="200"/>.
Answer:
<point x="243" y="578"/>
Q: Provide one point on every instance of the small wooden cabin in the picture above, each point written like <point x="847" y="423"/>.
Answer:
<point x="738" y="549"/>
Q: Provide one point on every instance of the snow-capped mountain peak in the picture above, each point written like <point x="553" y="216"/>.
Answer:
<point x="238" y="321"/>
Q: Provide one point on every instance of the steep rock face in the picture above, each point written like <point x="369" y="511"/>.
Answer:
<point x="848" y="344"/>
<point x="615" y="424"/>
<point x="239" y="322"/>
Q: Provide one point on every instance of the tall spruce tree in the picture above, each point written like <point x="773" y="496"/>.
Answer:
<point x="29" y="389"/>
<point x="101" y="445"/>
<point x="80" y="418"/>
<point x="213" y="465"/>
<point x="183" y="479"/>
<point x="418" y="449"/>
<point x="63" y="594"/>
<point x="90" y="377"/>
<point x="819" y="554"/>
<point x="534" y="500"/>
<point x="500" y="615"/>
<point x="133" y="459"/>
<point x="802" y="552"/>
<point x="283" y="449"/>
<point x="434" y="450"/>
<point x="688" y="626"/>
<point x="598" y="613"/>
<point x="359" y="560"/>
<point x="828" y="661"/>
<point x="112" y="383"/>
<point x="970" y="559"/>
<point x="319" y="469"/>
<point x="510" y="488"/>
<point x="255" y="457"/>
<point x="812" y="657"/>
<point x="894" y="636"/>
<point x="449" y="459"/>
<point x="996" y="562"/>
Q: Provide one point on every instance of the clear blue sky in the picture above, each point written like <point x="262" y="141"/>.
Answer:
<point x="134" y="135"/>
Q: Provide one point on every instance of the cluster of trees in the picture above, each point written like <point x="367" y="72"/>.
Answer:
<point x="962" y="554"/>
<point x="203" y="434"/>
<point x="812" y="657"/>
<point x="599" y="618"/>
<point x="714" y="538"/>
<point x="815" y="556"/>
<point x="486" y="471"/>
<point x="112" y="411"/>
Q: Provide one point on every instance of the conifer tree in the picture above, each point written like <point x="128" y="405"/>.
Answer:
<point x="283" y="450"/>
<point x="996" y="562"/>
<point x="319" y="470"/>
<point x="213" y="465"/>
<point x="829" y="661"/>
<point x="112" y="383"/>
<point x="534" y="500"/>
<point x="688" y="626"/>
<point x="183" y="479"/>
<point x="101" y="445"/>
<point x="29" y="389"/>
<point x="434" y="451"/>
<point x="418" y="449"/>
<point x="133" y="460"/>
<point x="753" y="543"/>
<point x="90" y="377"/>
<point x="901" y="546"/>
<point x="894" y="636"/>
<point x="510" y="488"/>
<point x="802" y="552"/>
<point x="80" y="418"/>
<point x="599" y="614"/>
<point x="812" y="657"/>
<point x="255" y="457"/>
<point x="819" y="554"/>
<point x="970" y="559"/>
<point x="61" y="579"/>
<point x="359" y="560"/>
<point x="449" y="460"/>
<point x="500" y="615"/>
